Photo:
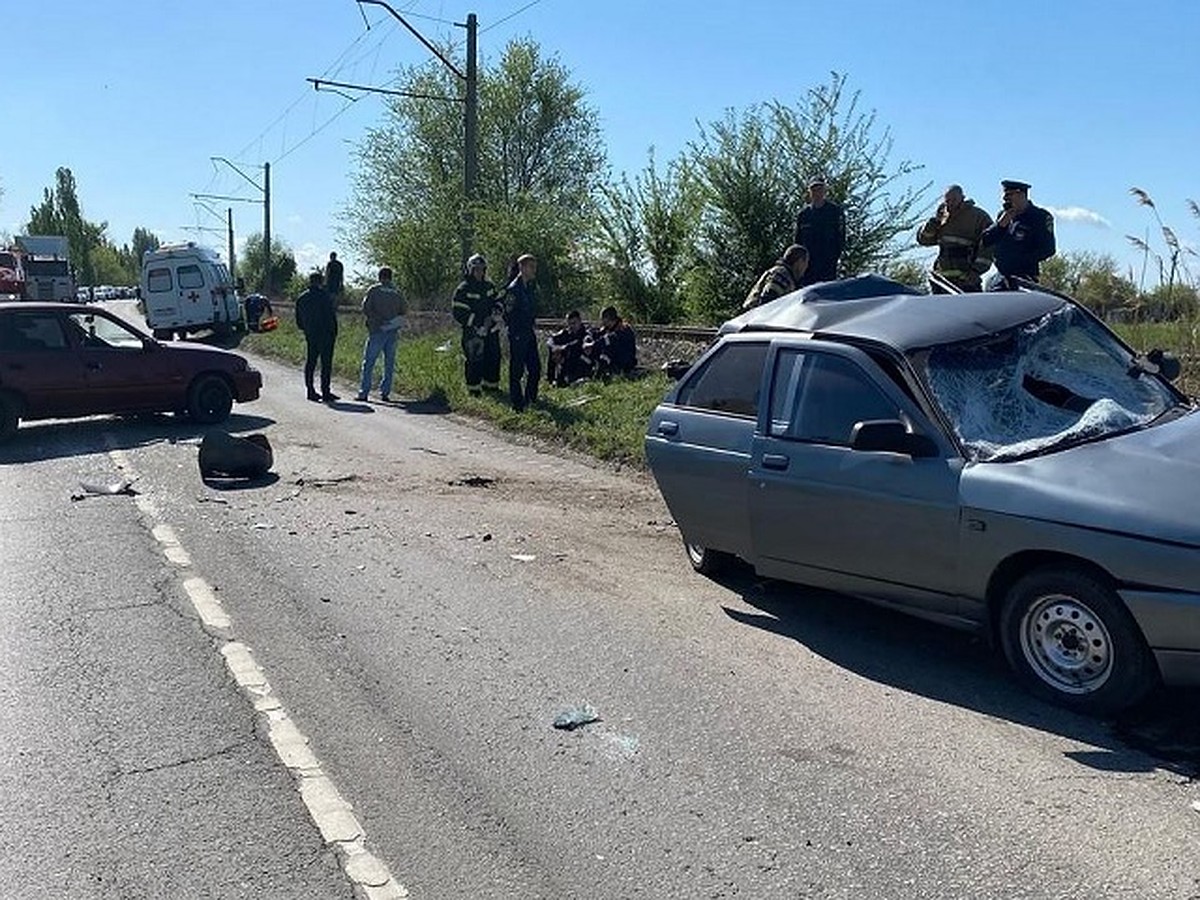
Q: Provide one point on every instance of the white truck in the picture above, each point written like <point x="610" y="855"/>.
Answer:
<point x="46" y="268"/>
<point x="186" y="288"/>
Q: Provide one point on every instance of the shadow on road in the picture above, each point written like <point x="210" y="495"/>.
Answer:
<point x="81" y="437"/>
<point x="938" y="662"/>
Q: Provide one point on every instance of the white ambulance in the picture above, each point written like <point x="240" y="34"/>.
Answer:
<point x="187" y="288"/>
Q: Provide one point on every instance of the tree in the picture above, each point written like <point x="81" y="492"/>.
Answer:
<point x="753" y="167"/>
<point x="252" y="266"/>
<point x="1091" y="278"/>
<point x="60" y="213"/>
<point x="540" y="159"/>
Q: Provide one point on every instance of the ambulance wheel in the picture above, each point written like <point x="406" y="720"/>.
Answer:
<point x="209" y="400"/>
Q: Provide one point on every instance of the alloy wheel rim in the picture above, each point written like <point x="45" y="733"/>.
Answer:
<point x="1066" y="644"/>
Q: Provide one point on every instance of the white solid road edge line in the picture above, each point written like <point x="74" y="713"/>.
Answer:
<point x="330" y="811"/>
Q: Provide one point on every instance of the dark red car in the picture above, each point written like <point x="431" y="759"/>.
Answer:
<point x="58" y="360"/>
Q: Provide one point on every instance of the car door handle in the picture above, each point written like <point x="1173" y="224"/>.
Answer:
<point x="775" y="461"/>
<point x="668" y="428"/>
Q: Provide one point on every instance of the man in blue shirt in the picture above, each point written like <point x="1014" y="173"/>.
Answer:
<point x="1023" y="235"/>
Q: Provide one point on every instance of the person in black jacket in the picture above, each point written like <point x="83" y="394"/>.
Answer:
<point x="316" y="316"/>
<point x="821" y="228"/>
<point x="520" y="312"/>
<point x="566" y="362"/>
<point x="615" y="350"/>
<point x="1023" y="236"/>
<point x="477" y="309"/>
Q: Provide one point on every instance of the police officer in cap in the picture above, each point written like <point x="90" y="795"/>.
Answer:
<point x="1023" y="235"/>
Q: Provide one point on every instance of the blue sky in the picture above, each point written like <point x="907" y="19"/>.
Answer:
<point x="1082" y="98"/>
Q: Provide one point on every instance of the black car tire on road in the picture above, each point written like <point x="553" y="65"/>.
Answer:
<point x="209" y="400"/>
<point x="1071" y="641"/>
<point x="705" y="561"/>
<point x="10" y="418"/>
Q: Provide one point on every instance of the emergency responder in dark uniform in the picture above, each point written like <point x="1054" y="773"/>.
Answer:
<point x="1023" y="235"/>
<point x="566" y="363"/>
<point x="956" y="229"/>
<point x="524" y="354"/>
<point x="316" y="316"/>
<point x="615" y="349"/>
<point x="476" y="307"/>
<point x="821" y="227"/>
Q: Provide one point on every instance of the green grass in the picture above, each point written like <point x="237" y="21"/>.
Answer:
<point x="605" y="420"/>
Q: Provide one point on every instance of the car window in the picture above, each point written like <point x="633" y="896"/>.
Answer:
<point x="101" y="332"/>
<point x="729" y="381"/>
<point x="834" y="395"/>
<point x="189" y="277"/>
<point x="785" y="381"/>
<point x="25" y="332"/>
<point x="158" y="280"/>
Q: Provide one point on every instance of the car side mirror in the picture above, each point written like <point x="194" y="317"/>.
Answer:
<point x="1168" y="363"/>
<point x="891" y="436"/>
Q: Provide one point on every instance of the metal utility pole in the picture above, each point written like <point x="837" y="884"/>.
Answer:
<point x="269" y="273"/>
<point x="232" y="260"/>
<point x="471" y="116"/>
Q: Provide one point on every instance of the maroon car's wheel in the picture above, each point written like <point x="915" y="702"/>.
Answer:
<point x="209" y="400"/>
<point x="1069" y="639"/>
<point x="9" y="417"/>
<point x="706" y="561"/>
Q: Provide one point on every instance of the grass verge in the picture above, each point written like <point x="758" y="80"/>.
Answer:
<point x="605" y="420"/>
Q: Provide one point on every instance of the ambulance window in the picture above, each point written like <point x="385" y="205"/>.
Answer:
<point x="158" y="280"/>
<point x="190" y="277"/>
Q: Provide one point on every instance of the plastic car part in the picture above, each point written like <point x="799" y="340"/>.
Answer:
<point x="209" y="400"/>
<point x="1070" y="640"/>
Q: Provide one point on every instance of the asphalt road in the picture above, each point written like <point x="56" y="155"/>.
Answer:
<point x="344" y="679"/>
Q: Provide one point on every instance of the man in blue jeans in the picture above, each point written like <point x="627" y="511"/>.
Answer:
<point x="384" y="309"/>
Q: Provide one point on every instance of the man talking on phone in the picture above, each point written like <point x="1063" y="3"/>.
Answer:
<point x="1022" y="237"/>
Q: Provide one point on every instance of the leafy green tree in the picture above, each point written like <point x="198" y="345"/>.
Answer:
<point x="60" y="213"/>
<point x="252" y="266"/>
<point x="1091" y="278"/>
<point x="754" y="166"/>
<point x="108" y="266"/>
<point x="540" y="162"/>
<point x="646" y="227"/>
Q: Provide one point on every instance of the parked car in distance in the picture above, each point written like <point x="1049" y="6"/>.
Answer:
<point x="999" y="462"/>
<point x="58" y="360"/>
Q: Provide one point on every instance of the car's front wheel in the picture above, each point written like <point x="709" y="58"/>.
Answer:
<point x="1070" y="640"/>
<point x="209" y="400"/>
<point x="10" y="417"/>
<point x="705" y="560"/>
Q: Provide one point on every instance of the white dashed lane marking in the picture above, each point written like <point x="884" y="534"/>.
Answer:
<point x="330" y="811"/>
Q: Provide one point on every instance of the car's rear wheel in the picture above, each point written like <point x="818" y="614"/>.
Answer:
<point x="10" y="417"/>
<point x="1070" y="640"/>
<point x="209" y="400"/>
<point x="705" y="560"/>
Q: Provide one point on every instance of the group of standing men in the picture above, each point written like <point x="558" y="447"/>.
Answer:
<point x="968" y="241"/>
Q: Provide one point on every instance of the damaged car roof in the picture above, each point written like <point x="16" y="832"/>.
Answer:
<point x="894" y="315"/>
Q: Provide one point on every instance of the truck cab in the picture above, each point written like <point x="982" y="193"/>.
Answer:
<point x="187" y="288"/>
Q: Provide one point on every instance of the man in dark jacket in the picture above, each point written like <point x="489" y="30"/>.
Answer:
<point x="477" y="309"/>
<point x="316" y="316"/>
<point x="334" y="277"/>
<point x="566" y="361"/>
<point x="520" y="312"/>
<point x="616" y="345"/>
<point x="1023" y="235"/>
<point x="821" y="228"/>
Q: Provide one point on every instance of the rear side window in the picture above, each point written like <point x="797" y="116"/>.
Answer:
<point x="189" y="277"/>
<point x="26" y="332"/>
<point x="158" y="280"/>
<point x="729" y="382"/>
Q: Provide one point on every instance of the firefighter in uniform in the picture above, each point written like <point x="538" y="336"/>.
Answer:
<point x="1023" y="235"/>
<point x="477" y="308"/>
<point x="956" y="229"/>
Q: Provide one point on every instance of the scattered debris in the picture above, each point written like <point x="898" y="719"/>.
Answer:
<point x="576" y="716"/>
<point x="428" y="450"/>
<point x="225" y="455"/>
<point x="473" y="481"/>
<point x="487" y="537"/>
<point x="203" y="499"/>
<point x="580" y="401"/>
<point x="124" y="487"/>
<point x="263" y="526"/>
<point x="522" y="557"/>
<point x="350" y="512"/>
<point x="1196" y="806"/>
<point x="444" y="348"/>
<point x="324" y="482"/>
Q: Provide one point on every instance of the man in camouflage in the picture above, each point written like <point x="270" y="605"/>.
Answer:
<point x="956" y="229"/>
<point x="782" y="278"/>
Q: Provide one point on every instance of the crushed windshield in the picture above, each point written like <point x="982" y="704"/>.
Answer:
<point x="1060" y="379"/>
